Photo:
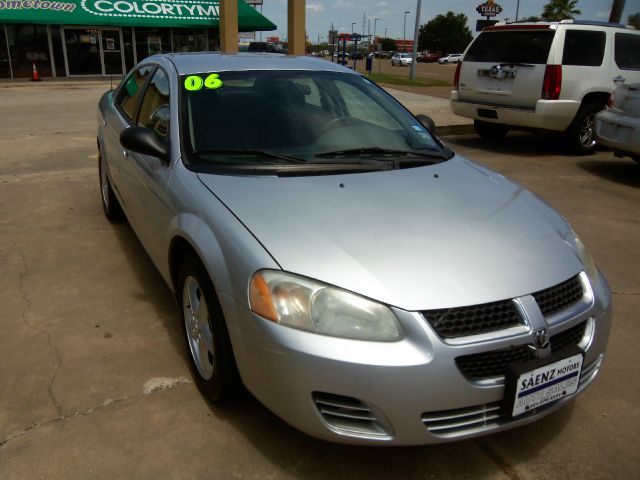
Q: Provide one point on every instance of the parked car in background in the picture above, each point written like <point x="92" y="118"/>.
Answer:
<point x="293" y="208"/>
<point x="618" y="126"/>
<point x="550" y="76"/>
<point x="451" y="58"/>
<point x="401" y="60"/>
<point x="265" y="47"/>
<point x="427" y="57"/>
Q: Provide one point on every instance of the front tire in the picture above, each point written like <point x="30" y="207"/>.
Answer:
<point x="580" y="135"/>
<point x="490" y="131"/>
<point x="110" y="204"/>
<point x="205" y="332"/>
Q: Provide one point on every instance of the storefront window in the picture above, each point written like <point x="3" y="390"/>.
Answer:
<point x="127" y="38"/>
<point x="83" y="51"/>
<point x="214" y="39"/>
<point x="29" y="44"/>
<point x="189" y="39"/>
<point x="150" y="41"/>
<point x="58" y="55"/>
<point x="5" y="69"/>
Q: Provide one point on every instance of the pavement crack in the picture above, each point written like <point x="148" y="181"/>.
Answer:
<point x="626" y="293"/>
<point x="174" y="382"/>
<point x="24" y="272"/>
<point x="507" y="469"/>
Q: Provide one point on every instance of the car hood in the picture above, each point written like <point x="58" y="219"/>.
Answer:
<point x="421" y="238"/>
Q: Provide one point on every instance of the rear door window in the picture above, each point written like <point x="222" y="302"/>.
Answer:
<point x="129" y="93"/>
<point x="627" y="51"/>
<point x="515" y="46"/>
<point x="584" y="47"/>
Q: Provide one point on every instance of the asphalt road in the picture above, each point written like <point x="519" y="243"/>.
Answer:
<point x="94" y="380"/>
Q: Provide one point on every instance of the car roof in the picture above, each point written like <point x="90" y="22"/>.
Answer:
<point x="186" y="63"/>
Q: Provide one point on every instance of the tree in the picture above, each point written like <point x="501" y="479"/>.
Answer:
<point x="388" y="44"/>
<point x="445" y="33"/>
<point x="634" y="20"/>
<point x="557" y="10"/>
<point x="532" y="18"/>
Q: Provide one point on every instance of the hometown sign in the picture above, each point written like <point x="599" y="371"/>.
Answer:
<point x="151" y="13"/>
<point x="489" y="9"/>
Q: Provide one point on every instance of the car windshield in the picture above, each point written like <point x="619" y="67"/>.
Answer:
<point x="276" y="117"/>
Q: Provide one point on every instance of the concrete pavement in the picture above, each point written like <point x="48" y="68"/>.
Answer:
<point x="94" y="381"/>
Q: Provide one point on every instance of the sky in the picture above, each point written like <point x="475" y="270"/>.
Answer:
<point x="321" y="13"/>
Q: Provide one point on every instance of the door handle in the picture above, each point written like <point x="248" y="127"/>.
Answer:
<point x="619" y="79"/>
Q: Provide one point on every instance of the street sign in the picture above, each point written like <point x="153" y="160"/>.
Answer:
<point x="489" y="9"/>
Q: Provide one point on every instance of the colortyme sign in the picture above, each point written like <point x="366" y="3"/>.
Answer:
<point x="150" y="13"/>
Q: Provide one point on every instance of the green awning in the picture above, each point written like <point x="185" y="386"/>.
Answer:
<point x="125" y="13"/>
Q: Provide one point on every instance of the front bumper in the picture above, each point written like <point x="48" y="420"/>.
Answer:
<point x="546" y="115"/>
<point x="618" y="132"/>
<point x="404" y="393"/>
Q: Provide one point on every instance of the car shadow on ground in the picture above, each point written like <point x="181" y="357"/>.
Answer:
<point x="620" y="170"/>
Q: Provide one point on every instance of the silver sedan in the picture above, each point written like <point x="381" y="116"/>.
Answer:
<point x="327" y="251"/>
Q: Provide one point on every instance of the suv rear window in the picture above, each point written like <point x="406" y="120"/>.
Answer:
<point x="517" y="46"/>
<point x="627" y="49"/>
<point x="584" y="47"/>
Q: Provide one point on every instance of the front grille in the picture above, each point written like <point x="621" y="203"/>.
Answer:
<point x="492" y="364"/>
<point x="479" y="366"/>
<point x="559" y="297"/>
<point x="348" y="415"/>
<point x="462" y="419"/>
<point x="568" y="338"/>
<point x="478" y="418"/>
<point x="472" y="320"/>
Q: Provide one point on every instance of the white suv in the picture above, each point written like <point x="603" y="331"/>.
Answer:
<point x="550" y="76"/>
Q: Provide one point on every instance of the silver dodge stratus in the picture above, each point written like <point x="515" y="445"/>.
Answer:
<point x="364" y="282"/>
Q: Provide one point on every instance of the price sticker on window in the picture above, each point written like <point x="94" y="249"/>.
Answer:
<point x="193" y="83"/>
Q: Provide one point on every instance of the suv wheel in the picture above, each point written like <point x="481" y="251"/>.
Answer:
<point x="490" y="131"/>
<point x="580" y="135"/>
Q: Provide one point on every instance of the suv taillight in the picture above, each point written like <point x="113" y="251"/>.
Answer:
<point x="456" y="76"/>
<point x="552" y="83"/>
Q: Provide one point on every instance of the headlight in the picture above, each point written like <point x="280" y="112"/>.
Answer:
<point x="313" y="306"/>
<point x="585" y="258"/>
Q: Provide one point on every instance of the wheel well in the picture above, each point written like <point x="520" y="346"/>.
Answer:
<point x="599" y="98"/>
<point x="178" y="250"/>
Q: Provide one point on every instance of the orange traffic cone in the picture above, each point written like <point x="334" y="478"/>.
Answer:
<point x="35" y="77"/>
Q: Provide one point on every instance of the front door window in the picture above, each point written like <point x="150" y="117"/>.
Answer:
<point x="112" y="51"/>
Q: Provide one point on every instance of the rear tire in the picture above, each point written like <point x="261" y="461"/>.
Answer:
<point x="490" y="131"/>
<point x="110" y="204"/>
<point x="580" y="136"/>
<point x="205" y="332"/>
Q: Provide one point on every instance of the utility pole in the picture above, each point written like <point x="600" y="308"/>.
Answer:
<point x="404" y="33"/>
<point x="416" y="34"/>
<point x="616" y="11"/>
<point x="517" y="9"/>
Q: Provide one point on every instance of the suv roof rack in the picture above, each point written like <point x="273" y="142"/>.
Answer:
<point x="594" y="22"/>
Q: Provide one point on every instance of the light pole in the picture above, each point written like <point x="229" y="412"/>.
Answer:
<point x="375" y="24"/>
<point x="517" y="9"/>
<point x="404" y="33"/>
<point x="416" y="35"/>
<point x="352" y="25"/>
<point x="385" y="32"/>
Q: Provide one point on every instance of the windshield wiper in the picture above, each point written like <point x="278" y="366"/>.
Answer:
<point x="381" y="151"/>
<point x="253" y="153"/>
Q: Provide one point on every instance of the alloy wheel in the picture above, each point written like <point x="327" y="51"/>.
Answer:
<point x="197" y="325"/>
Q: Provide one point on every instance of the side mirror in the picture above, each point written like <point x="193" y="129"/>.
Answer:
<point x="144" y="140"/>
<point x="427" y="122"/>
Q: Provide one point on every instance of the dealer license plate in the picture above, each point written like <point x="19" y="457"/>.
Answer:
<point x="547" y="384"/>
